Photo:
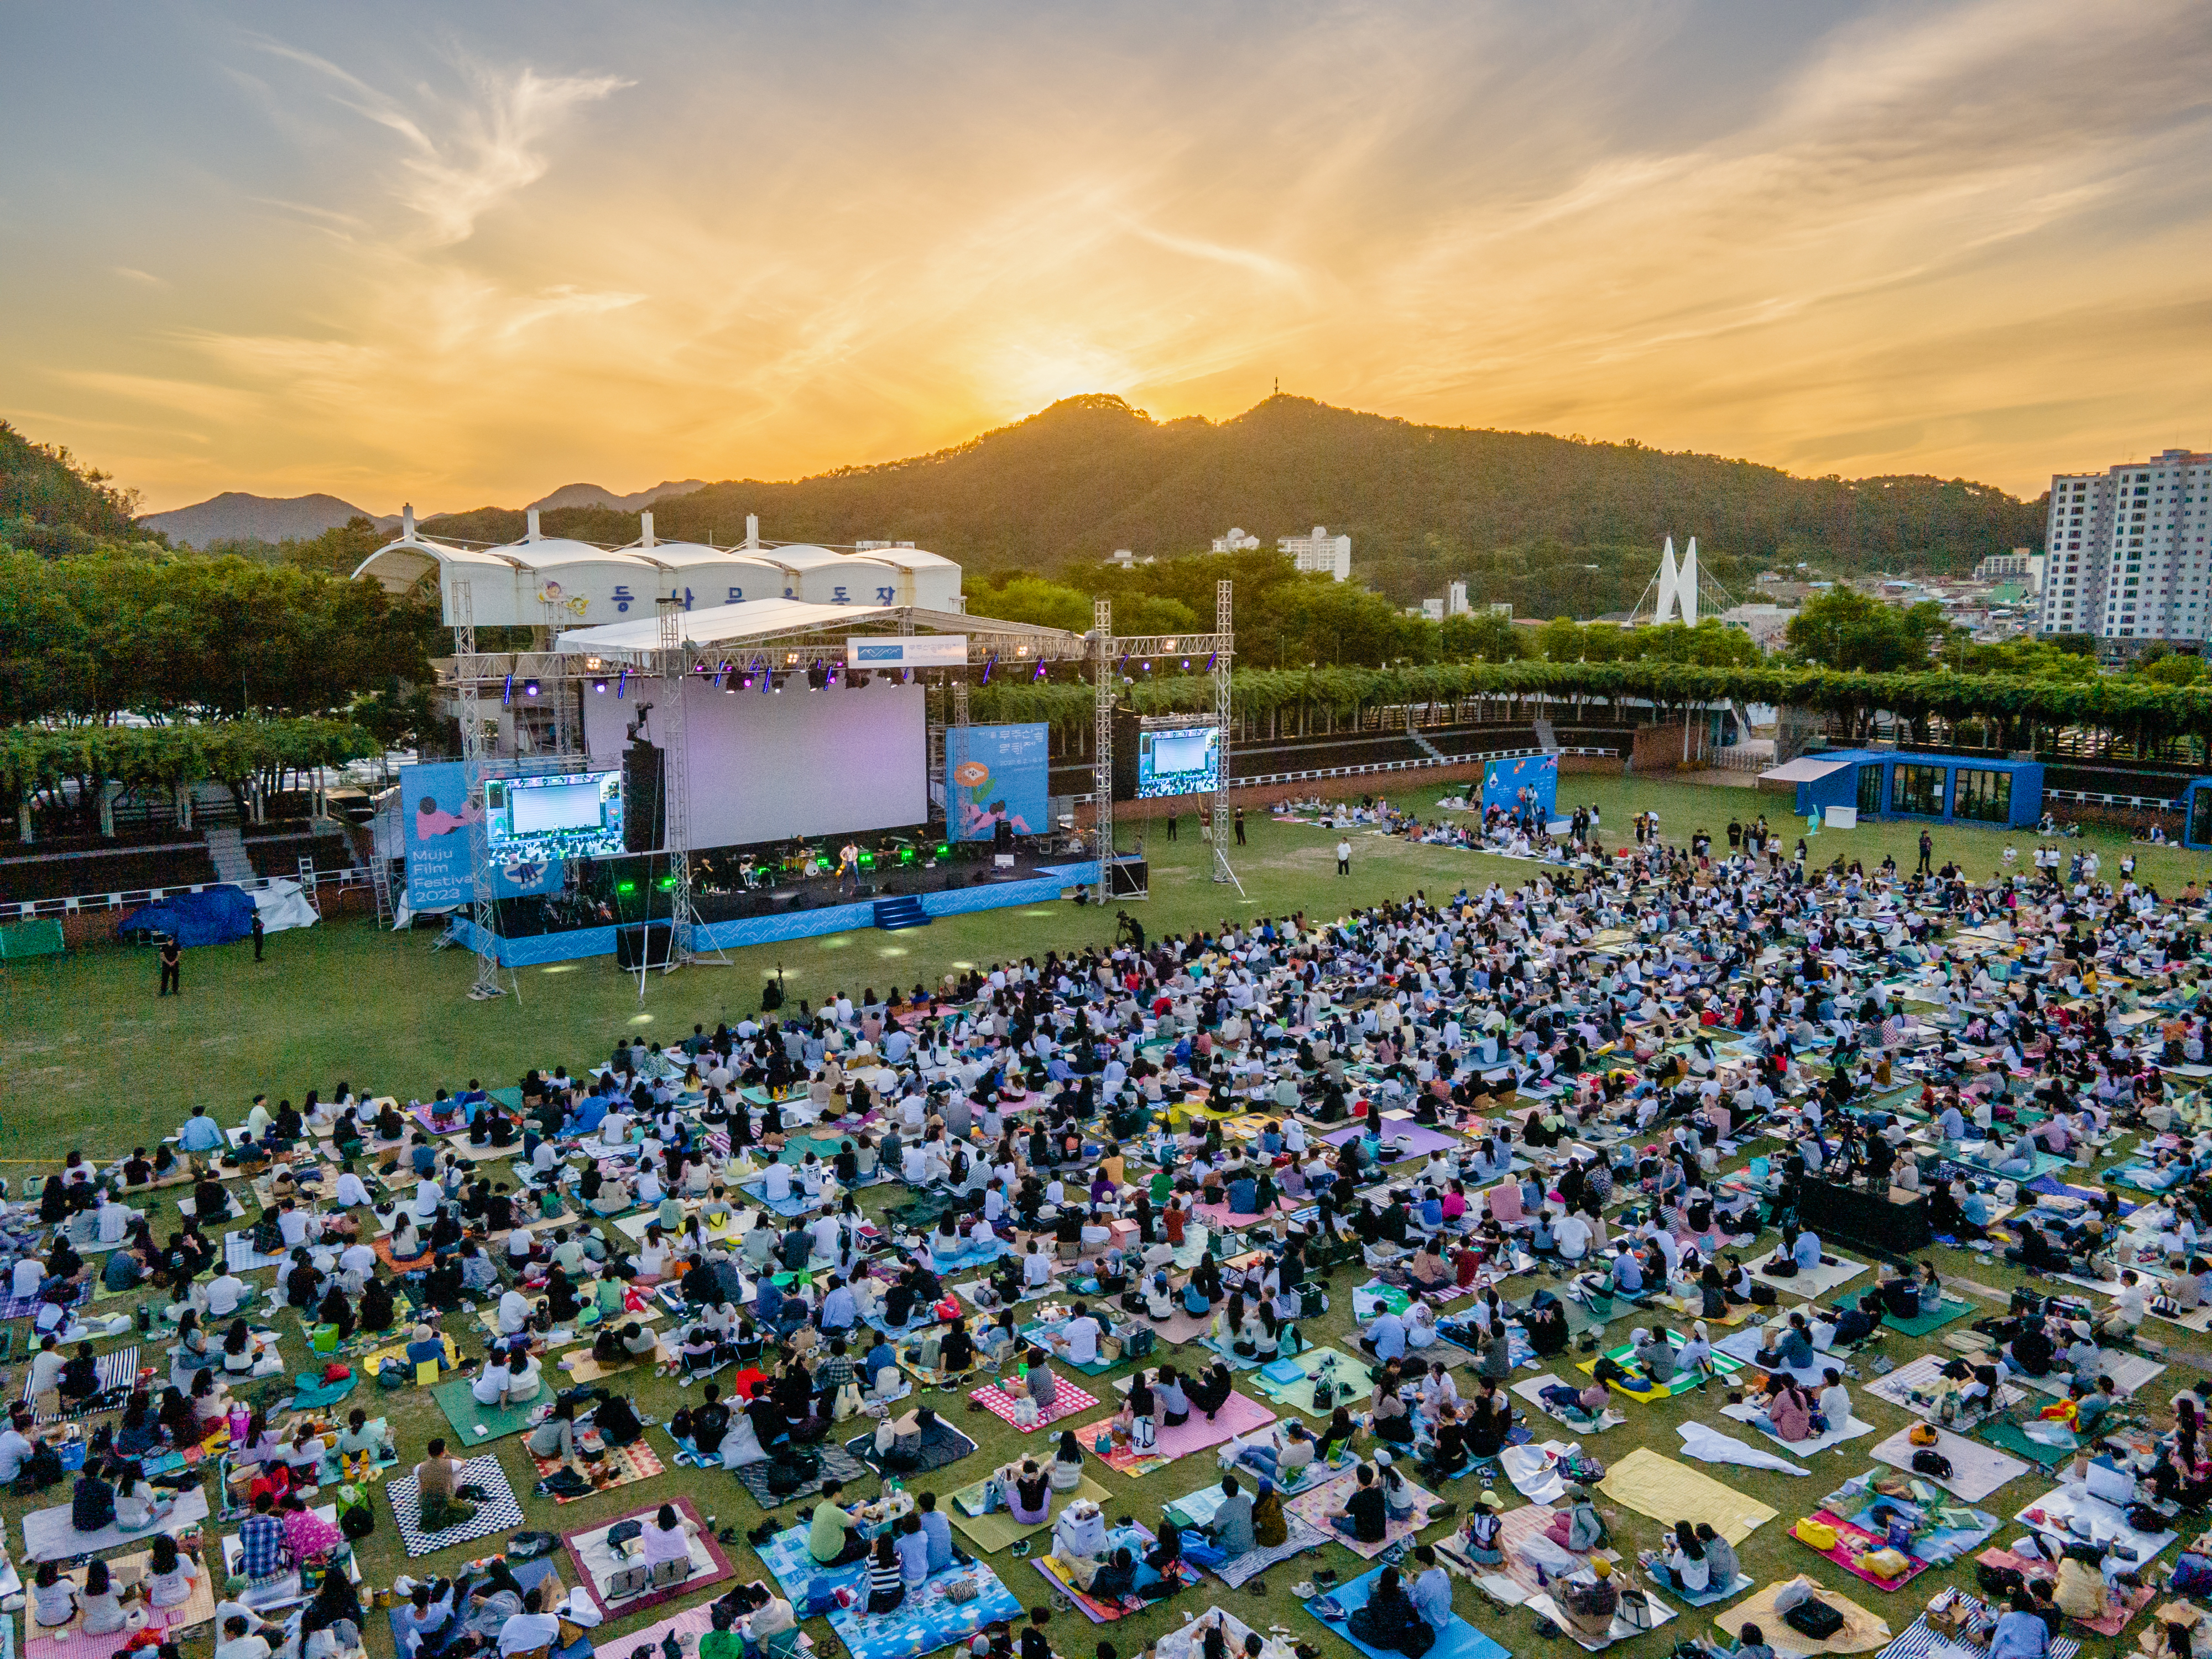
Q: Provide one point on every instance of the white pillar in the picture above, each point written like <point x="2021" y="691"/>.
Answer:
<point x="752" y="530"/>
<point x="1686" y="583"/>
<point x="1668" y="581"/>
<point x="531" y="535"/>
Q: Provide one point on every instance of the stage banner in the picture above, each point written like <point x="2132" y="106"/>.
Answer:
<point x="1505" y="780"/>
<point x="996" y="773"/>
<point x="441" y="819"/>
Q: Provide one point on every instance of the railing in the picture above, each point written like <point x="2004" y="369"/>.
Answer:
<point x="1268" y="780"/>
<point x="131" y="898"/>
<point x="2090" y="797"/>
<point x="1737" y="759"/>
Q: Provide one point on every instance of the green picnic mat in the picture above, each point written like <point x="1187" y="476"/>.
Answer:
<point x="1928" y="1324"/>
<point x="999" y="1531"/>
<point x="1353" y="1381"/>
<point x="467" y="1417"/>
<point x="2006" y="1436"/>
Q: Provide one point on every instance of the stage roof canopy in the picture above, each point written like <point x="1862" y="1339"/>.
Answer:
<point x="723" y="625"/>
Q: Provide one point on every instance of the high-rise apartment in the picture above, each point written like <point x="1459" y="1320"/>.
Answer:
<point x="2128" y="554"/>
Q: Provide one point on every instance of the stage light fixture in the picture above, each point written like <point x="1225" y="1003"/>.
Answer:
<point x="1210" y="660"/>
<point x="621" y="683"/>
<point x="1186" y="664"/>
<point x="625" y="887"/>
<point x="665" y="883"/>
<point x="507" y="692"/>
<point x="1039" y="671"/>
<point x="747" y="682"/>
<point x="989" y="663"/>
<point x="1124" y="665"/>
<point x="529" y="688"/>
<point x="817" y="676"/>
<point x="1146" y="666"/>
<point x="867" y="861"/>
<point x="906" y="855"/>
<point x="599" y="688"/>
<point x="943" y="850"/>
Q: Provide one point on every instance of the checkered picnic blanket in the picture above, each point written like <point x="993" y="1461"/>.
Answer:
<point x="23" y="1307"/>
<point x="498" y="1513"/>
<point x="1066" y="1400"/>
<point x="633" y="1462"/>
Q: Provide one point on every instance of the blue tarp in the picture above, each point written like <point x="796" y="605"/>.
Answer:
<point x="214" y="915"/>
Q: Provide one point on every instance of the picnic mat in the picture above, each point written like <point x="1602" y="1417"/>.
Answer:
<point x="497" y="1513"/>
<point x="2123" y="1608"/>
<point x="1724" y="1365"/>
<point x="998" y="1530"/>
<point x="623" y="1465"/>
<point x="597" y="1561"/>
<point x="1852" y="1542"/>
<point x="1812" y="1282"/>
<point x="837" y="1464"/>
<point x="1927" y="1324"/>
<point x="926" y="1621"/>
<point x="477" y="1425"/>
<point x="1976" y="1470"/>
<point x="1094" y="1609"/>
<point x="1863" y="1632"/>
<point x="1313" y="1506"/>
<point x="1066" y="1400"/>
<point x="69" y="1641"/>
<point x="941" y="1443"/>
<point x="1921" y="1641"/>
<point x="1531" y="1388"/>
<point x="2129" y="1372"/>
<point x="115" y="1373"/>
<point x="1668" y="1490"/>
<point x="1238" y="1415"/>
<point x="1457" y="1640"/>
<point x="1351" y="1378"/>
<point x="48" y="1536"/>
<point x="1851" y="1429"/>
<point x="2012" y="1438"/>
<point x="1620" y="1629"/>
<point x="1198" y="1510"/>
<point x="1925" y="1376"/>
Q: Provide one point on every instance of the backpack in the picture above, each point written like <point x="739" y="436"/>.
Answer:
<point x="1931" y="1462"/>
<point x="1994" y="1582"/>
<point x="2192" y="1574"/>
<point x="356" y="1515"/>
<point x="791" y="1467"/>
<point x="1814" y="1618"/>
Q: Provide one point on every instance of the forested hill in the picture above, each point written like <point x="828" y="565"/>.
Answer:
<point x="1422" y="503"/>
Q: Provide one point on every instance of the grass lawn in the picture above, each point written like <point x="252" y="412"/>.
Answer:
<point x="91" y="1058"/>
<point x="86" y="1038"/>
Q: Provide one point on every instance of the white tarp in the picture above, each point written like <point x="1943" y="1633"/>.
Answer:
<point x="1803" y="770"/>
<point x="1708" y="1446"/>
<point x="281" y="905"/>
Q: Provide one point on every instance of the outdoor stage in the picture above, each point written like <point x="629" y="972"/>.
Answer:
<point x="1033" y="884"/>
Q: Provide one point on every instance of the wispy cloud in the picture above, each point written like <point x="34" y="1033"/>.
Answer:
<point x="143" y="278"/>
<point x="1955" y="238"/>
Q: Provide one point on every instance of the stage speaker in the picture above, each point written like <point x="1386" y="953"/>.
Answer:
<point x="644" y="946"/>
<point x="1125" y="877"/>
<point x="644" y="806"/>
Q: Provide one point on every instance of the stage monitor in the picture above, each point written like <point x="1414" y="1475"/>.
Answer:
<point x="1181" y="761"/>
<point x="557" y="815"/>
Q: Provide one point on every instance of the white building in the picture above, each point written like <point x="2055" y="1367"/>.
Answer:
<point x="2021" y="562"/>
<point x="1433" y="609"/>
<point x="2127" y="550"/>
<point x="1455" y="603"/>
<point x="1329" y="555"/>
<point x="1236" y="541"/>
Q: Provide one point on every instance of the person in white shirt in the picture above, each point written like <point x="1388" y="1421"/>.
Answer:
<point x="513" y="1312"/>
<point x="113" y="1221"/>
<point x="1835" y="1402"/>
<point x="350" y="1193"/>
<point x="529" y="1630"/>
<point x="292" y="1223"/>
<point x="1572" y="1233"/>
<point x="776" y="1182"/>
<point x="225" y="1295"/>
<point x="1082" y="1334"/>
<point x="1036" y="1269"/>
<point x="30" y="1273"/>
<point x="15" y="1447"/>
<point x="239" y="1642"/>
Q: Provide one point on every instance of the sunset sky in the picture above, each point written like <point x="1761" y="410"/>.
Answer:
<point x="460" y="255"/>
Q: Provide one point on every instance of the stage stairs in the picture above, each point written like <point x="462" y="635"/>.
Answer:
<point x="893" y="914"/>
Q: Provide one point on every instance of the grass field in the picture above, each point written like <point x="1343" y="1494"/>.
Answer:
<point x="86" y="1037"/>
<point x="92" y="1059"/>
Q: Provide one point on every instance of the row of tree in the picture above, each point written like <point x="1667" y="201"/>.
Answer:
<point x="48" y="761"/>
<point x="2013" y="709"/>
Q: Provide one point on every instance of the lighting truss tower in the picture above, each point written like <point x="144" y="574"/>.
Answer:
<point x="1223" y="629"/>
<point x="1101" y="741"/>
<point x="475" y="766"/>
<point x="674" y="670"/>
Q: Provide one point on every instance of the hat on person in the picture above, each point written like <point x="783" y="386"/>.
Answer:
<point x="1383" y="1458"/>
<point x="1600" y="1566"/>
<point x="233" y="1585"/>
<point x="422" y="1334"/>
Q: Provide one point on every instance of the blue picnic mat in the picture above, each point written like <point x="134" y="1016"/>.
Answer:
<point x="924" y="1622"/>
<point x="1457" y="1640"/>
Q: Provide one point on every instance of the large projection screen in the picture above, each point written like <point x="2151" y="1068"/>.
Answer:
<point x="771" y="765"/>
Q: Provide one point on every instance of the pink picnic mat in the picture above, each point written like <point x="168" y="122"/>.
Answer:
<point x="1852" y="1542"/>
<point x="1066" y="1402"/>
<point x="1238" y="1415"/>
<point x="1313" y="1506"/>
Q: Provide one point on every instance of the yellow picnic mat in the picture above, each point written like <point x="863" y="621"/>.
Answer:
<point x="1667" y="1491"/>
<point x="1862" y="1632"/>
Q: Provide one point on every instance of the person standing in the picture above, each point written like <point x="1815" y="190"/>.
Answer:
<point x="259" y="930"/>
<point x="1343" y="857"/>
<point x="173" y="967"/>
<point x="1172" y="818"/>
<point x="1927" y="853"/>
<point x="1240" y="826"/>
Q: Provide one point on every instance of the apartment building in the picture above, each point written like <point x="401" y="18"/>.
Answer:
<point x="2127" y="550"/>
